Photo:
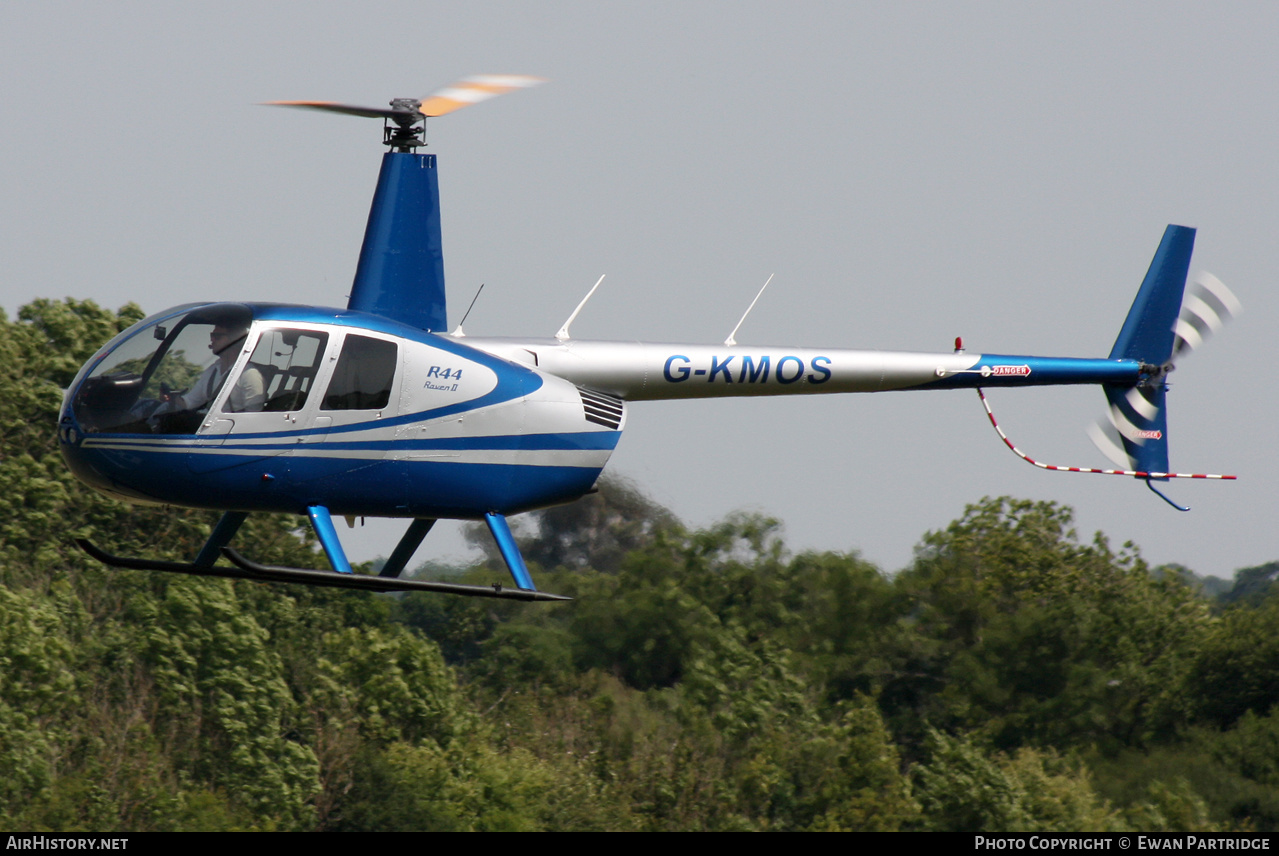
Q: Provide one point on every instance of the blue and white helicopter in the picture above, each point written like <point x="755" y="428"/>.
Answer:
<point x="377" y="410"/>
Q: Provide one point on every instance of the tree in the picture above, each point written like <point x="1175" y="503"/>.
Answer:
<point x="961" y="789"/>
<point x="1034" y="638"/>
<point x="1236" y="669"/>
<point x="1252" y="586"/>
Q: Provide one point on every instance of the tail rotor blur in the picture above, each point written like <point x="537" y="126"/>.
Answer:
<point x="1133" y="435"/>
<point x="1206" y="309"/>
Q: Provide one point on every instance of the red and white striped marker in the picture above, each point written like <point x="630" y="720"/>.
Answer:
<point x="1134" y="473"/>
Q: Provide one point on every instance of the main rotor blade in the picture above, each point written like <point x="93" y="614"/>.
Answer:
<point x="472" y="90"/>
<point x="348" y="109"/>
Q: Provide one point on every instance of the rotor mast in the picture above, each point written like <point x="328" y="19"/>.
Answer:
<point x="404" y="130"/>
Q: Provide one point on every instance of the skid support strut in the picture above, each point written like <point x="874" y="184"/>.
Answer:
<point x="222" y="535"/>
<point x="407" y="547"/>
<point x="322" y="523"/>
<point x="510" y="550"/>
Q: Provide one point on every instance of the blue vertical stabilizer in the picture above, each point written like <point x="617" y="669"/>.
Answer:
<point x="401" y="269"/>
<point x="1139" y="414"/>
<point x="1147" y="333"/>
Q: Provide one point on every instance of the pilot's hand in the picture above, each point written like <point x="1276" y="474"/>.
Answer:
<point x="168" y="393"/>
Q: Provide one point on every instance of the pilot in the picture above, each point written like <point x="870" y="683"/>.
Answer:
<point x="249" y="392"/>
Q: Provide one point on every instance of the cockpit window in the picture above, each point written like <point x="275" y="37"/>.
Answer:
<point x="281" y="371"/>
<point x="162" y="379"/>
<point x="364" y="375"/>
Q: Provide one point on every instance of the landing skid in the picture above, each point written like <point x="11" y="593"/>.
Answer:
<point x="247" y="569"/>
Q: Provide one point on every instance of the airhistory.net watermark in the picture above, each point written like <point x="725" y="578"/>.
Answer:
<point x="49" y="842"/>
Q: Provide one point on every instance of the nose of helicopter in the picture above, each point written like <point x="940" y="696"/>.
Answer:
<point x="107" y="464"/>
<point x="87" y="466"/>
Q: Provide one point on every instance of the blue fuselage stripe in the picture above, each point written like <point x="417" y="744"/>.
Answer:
<point x="586" y="440"/>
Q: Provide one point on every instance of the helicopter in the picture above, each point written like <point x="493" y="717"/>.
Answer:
<point x="378" y="410"/>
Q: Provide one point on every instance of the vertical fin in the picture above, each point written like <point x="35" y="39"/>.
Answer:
<point x="1138" y="413"/>
<point x="401" y="270"/>
<point x="1147" y="334"/>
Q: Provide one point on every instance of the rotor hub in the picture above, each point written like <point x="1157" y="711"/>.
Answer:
<point x="404" y="129"/>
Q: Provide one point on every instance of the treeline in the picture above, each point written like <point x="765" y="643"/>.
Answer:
<point x="1010" y="678"/>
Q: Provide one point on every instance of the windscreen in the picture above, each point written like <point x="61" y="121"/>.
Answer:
<point x="162" y="379"/>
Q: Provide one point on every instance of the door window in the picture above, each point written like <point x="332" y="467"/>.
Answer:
<point x="364" y="375"/>
<point x="280" y="373"/>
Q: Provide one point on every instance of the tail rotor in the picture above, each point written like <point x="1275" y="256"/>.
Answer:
<point x="1206" y="309"/>
<point x="1163" y="323"/>
<point x="1134" y="432"/>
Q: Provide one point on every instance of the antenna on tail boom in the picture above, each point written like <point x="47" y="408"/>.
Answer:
<point x="730" y="341"/>
<point x="562" y="335"/>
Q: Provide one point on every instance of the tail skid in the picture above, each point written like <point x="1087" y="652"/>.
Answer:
<point x="1148" y="476"/>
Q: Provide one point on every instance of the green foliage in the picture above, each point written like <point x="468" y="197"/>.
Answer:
<point x="1198" y="779"/>
<point x="1252" y="747"/>
<point x="528" y="655"/>
<point x="1252" y="586"/>
<point x="1173" y="807"/>
<point x="38" y="692"/>
<point x="1249" y="756"/>
<point x="961" y="789"/>
<point x="1035" y="638"/>
<point x="466" y="788"/>
<point x="1236" y="670"/>
<point x="38" y="358"/>
<point x="392" y="683"/>
<point x="223" y="704"/>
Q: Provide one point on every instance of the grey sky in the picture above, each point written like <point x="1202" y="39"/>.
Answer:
<point x="910" y="172"/>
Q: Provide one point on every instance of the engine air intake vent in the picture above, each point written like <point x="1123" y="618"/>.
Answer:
<point x="601" y="408"/>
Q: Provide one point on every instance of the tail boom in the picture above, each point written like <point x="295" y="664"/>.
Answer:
<point x="638" y="371"/>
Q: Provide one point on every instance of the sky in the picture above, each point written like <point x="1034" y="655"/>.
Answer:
<point x="908" y="172"/>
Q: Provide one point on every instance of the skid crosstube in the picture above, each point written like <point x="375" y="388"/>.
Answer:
<point x="246" y="569"/>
